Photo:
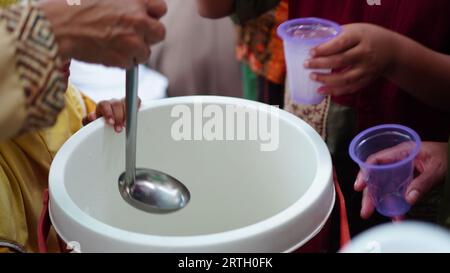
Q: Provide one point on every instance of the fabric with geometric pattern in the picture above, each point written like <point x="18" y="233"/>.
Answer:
<point x="38" y="64"/>
<point x="315" y="115"/>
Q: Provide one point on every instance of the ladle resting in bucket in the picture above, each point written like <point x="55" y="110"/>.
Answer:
<point x="148" y="190"/>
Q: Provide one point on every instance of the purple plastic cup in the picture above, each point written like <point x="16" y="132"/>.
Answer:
<point x="300" y="36"/>
<point x="387" y="176"/>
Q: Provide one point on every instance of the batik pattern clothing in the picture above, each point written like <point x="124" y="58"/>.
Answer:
<point x="32" y="83"/>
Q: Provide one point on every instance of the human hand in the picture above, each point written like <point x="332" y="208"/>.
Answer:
<point x="430" y="166"/>
<point x="114" y="112"/>
<point x="113" y="33"/>
<point x="359" y="55"/>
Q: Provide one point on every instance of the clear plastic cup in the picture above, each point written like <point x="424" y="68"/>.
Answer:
<point x="300" y="36"/>
<point x="386" y="156"/>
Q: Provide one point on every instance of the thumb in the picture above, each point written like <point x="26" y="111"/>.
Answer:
<point x="360" y="183"/>
<point x="89" y="118"/>
<point x="418" y="188"/>
<point x="367" y="205"/>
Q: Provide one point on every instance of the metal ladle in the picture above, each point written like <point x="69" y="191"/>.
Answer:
<point x="148" y="190"/>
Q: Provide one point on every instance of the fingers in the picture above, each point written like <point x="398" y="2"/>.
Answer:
<point x="104" y="109"/>
<point x="430" y="166"/>
<point x="89" y="118"/>
<point x="141" y="51"/>
<point x="153" y="30"/>
<point x="156" y="8"/>
<point x="116" y="59"/>
<point x="123" y="102"/>
<point x="345" y="78"/>
<point x="149" y="31"/>
<point x="367" y="206"/>
<point x="150" y="27"/>
<point x="348" y="54"/>
<point x="336" y="61"/>
<point x="343" y="89"/>
<point x="113" y="112"/>
<point x="118" y="108"/>
<point x="354" y="74"/>
<point x="340" y="44"/>
<point x="419" y="187"/>
<point x="391" y="155"/>
<point x="421" y="184"/>
<point x="360" y="183"/>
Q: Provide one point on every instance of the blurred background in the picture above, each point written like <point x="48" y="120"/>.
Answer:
<point x="196" y="58"/>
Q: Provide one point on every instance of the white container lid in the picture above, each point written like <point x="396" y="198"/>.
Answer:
<point x="404" y="237"/>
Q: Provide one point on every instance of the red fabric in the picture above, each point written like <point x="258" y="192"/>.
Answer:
<point x="321" y="242"/>
<point x="44" y="225"/>
<point x="66" y="71"/>
<point x="427" y="22"/>
<point x="343" y="223"/>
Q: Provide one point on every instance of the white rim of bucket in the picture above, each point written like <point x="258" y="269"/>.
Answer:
<point x="90" y="224"/>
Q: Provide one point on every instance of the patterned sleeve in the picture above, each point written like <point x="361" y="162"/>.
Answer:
<point x="37" y="65"/>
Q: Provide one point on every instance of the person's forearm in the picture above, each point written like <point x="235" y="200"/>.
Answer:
<point x="422" y="72"/>
<point x="214" y="8"/>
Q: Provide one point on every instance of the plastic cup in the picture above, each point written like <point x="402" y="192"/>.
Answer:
<point x="300" y="36"/>
<point x="385" y="155"/>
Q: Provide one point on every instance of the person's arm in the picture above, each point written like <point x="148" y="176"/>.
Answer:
<point x="422" y="72"/>
<point x="365" y="52"/>
<point x="37" y="37"/>
<point x="215" y="9"/>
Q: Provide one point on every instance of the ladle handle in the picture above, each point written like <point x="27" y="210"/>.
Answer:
<point x="131" y="125"/>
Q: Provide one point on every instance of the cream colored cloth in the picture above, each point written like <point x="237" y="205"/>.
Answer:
<point x="335" y="123"/>
<point x="12" y="97"/>
<point x="32" y="83"/>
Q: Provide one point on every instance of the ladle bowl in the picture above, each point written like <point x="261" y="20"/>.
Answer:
<point x="154" y="192"/>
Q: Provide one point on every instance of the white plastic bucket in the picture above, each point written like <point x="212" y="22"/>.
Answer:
<point x="242" y="199"/>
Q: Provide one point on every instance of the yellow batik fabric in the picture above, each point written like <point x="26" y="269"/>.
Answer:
<point x="24" y="166"/>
